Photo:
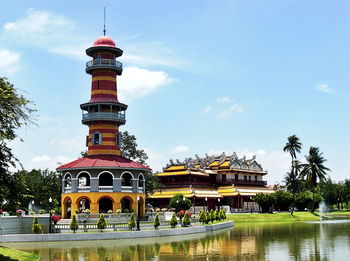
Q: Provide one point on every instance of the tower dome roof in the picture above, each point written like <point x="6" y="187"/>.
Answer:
<point x="104" y="41"/>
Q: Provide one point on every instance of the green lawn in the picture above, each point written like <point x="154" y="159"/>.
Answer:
<point x="8" y="254"/>
<point x="284" y="217"/>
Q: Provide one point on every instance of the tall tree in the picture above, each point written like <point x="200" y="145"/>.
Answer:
<point x="314" y="170"/>
<point x="15" y="111"/>
<point x="293" y="146"/>
<point x="129" y="148"/>
<point x="292" y="179"/>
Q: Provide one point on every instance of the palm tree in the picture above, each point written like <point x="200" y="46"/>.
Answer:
<point x="314" y="170"/>
<point x="293" y="181"/>
<point x="293" y="146"/>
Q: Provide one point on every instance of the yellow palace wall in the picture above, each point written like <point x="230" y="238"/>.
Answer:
<point x="94" y="198"/>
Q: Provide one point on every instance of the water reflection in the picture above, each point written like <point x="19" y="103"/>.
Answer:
<point x="302" y="241"/>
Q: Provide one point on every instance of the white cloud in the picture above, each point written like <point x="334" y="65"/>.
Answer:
<point x="142" y="60"/>
<point x="9" y="62"/>
<point x="224" y="99"/>
<point x="48" y="162"/>
<point x="227" y="112"/>
<point x="55" y="33"/>
<point x="137" y="82"/>
<point x="38" y="24"/>
<point x="154" y="53"/>
<point x="61" y="35"/>
<point x="207" y="109"/>
<point x="41" y="159"/>
<point x="156" y="160"/>
<point x="76" y="143"/>
<point x="180" y="149"/>
<point x="323" y="87"/>
<point x="225" y="107"/>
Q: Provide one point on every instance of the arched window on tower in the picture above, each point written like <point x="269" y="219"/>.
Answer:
<point x="126" y="179"/>
<point x="118" y="139"/>
<point x="67" y="181"/>
<point x="141" y="181"/>
<point x="96" y="138"/>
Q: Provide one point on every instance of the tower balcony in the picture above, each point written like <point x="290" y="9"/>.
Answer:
<point x="104" y="64"/>
<point x="107" y="116"/>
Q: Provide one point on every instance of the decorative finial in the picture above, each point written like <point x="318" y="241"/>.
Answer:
<point x="104" y="21"/>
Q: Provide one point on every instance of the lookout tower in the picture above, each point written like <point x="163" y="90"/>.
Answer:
<point x="103" y="113"/>
<point x="104" y="180"/>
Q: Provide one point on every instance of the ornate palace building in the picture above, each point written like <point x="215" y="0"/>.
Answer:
<point x="104" y="180"/>
<point x="213" y="181"/>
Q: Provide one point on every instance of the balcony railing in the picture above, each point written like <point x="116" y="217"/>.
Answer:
<point x="105" y="188"/>
<point x="67" y="189"/>
<point x="104" y="116"/>
<point x="84" y="189"/>
<point x="241" y="182"/>
<point x="140" y="190"/>
<point x="104" y="63"/>
<point x="126" y="188"/>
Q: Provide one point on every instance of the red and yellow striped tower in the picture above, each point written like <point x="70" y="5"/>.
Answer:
<point x="103" y="113"/>
<point x="104" y="180"/>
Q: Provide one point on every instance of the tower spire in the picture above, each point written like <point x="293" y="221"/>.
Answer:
<point x="104" y="21"/>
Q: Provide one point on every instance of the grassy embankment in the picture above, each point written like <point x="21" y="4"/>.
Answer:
<point x="8" y="254"/>
<point x="285" y="217"/>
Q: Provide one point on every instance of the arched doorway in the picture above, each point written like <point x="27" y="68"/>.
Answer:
<point x="67" y="208"/>
<point x="126" y="205"/>
<point x="83" y="203"/>
<point x="105" y="204"/>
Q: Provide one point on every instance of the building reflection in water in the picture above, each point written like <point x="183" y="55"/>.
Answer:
<point x="252" y="242"/>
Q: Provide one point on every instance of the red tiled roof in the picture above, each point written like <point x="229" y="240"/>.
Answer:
<point x="103" y="161"/>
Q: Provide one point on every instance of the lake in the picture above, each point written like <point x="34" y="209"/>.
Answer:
<point x="329" y="240"/>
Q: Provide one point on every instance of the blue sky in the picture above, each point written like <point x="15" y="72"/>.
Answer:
<point x="200" y="77"/>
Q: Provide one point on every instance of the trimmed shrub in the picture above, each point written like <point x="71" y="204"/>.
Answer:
<point x="186" y="221"/>
<point x="74" y="224"/>
<point x="36" y="228"/>
<point x="201" y="217"/>
<point x="42" y="211"/>
<point x="207" y="217"/>
<point x="212" y="216"/>
<point x="132" y="222"/>
<point x="217" y="215"/>
<point x="222" y="214"/>
<point x="101" y="223"/>
<point x="156" y="223"/>
<point x="173" y="221"/>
